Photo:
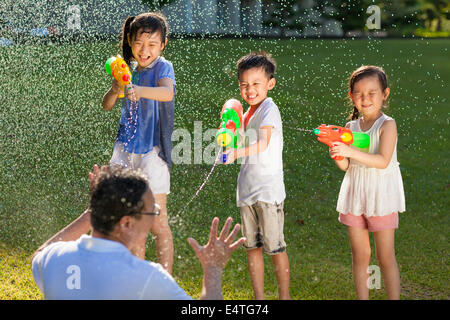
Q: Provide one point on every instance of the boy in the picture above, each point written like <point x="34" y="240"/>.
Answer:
<point x="260" y="187"/>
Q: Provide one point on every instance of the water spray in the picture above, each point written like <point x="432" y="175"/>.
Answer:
<point x="203" y="184"/>
<point x="227" y="136"/>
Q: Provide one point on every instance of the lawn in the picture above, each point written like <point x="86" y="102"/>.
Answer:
<point x="53" y="130"/>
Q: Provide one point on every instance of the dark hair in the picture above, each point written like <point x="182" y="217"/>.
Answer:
<point x="150" y="22"/>
<point x="365" y="72"/>
<point x="259" y="59"/>
<point x="115" y="194"/>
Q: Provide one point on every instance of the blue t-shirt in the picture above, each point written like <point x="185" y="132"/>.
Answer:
<point x="99" y="269"/>
<point x="147" y="123"/>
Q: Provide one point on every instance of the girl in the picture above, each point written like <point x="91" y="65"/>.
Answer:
<point x="371" y="193"/>
<point x="146" y="125"/>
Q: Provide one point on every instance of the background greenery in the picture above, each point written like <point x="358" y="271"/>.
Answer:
<point x="430" y="18"/>
<point x="399" y="18"/>
<point x="53" y="129"/>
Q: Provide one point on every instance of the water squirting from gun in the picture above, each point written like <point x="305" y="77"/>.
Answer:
<point x="330" y="134"/>
<point x="227" y="136"/>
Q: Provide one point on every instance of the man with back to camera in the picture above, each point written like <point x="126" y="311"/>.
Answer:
<point x="74" y="265"/>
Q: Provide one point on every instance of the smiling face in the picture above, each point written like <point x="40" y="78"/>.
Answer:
<point x="368" y="96"/>
<point x="254" y="85"/>
<point x="146" y="47"/>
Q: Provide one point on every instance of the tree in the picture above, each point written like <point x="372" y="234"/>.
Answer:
<point x="400" y="17"/>
<point x="154" y="5"/>
<point x="284" y="14"/>
<point x="433" y="13"/>
<point x="351" y="13"/>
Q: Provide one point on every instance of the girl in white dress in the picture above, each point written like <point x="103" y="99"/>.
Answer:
<point x="371" y="193"/>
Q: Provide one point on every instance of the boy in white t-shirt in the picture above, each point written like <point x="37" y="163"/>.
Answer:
<point x="260" y="189"/>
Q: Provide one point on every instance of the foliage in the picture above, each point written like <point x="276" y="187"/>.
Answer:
<point x="284" y="14"/>
<point x="435" y="14"/>
<point x="156" y="4"/>
<point x="397" y="17"/>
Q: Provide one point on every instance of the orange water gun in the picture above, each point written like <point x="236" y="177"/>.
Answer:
<point x="330" y="134"/>
<point x="118" y="68"/>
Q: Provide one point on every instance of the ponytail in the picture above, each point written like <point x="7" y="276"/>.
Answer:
<point x="124" y="45"/>
<point x="148" y="22"/>
<point x="355" y="114"/>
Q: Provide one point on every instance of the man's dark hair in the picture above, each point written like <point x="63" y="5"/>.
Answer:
<point x="116" y="193"/>
<point x="259" y="59"/>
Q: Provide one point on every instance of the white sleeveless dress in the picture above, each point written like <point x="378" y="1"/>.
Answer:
<point x="371" y="191"/>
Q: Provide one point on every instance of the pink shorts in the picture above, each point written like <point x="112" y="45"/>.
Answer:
<point x="373" y="224"/>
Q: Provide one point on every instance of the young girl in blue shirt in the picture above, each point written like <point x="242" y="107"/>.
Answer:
<point x="146" y="124"/>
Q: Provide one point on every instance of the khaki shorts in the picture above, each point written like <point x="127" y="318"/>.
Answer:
<point x="262" y="224"/>
<point x="150" y="163"/>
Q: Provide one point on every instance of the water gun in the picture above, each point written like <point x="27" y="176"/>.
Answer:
<point x="118" y="68"/>
<point x="231" y="116"/>
<point x="329" y="134"/>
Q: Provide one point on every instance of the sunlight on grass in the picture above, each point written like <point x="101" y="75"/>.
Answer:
<point x="16" y="278"/>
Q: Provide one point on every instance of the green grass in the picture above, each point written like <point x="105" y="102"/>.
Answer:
<point x="53" y="130"/>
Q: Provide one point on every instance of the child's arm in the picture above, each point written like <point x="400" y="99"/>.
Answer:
<point x="110" y="98"/>
<point x="163" y="92"/>
<point x="380" y="160"/>
<point x="344" y="163"/>
<point x="341" y="164"/>
<point x="264" y="135"/>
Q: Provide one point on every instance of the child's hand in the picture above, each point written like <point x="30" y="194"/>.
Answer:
<point x="94" y="174"/>
<point x="133" y="92"/>
<point x="341" y="149"/>
<point x="115" y="88"/>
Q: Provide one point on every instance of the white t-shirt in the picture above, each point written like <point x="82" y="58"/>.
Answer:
<point x="261" y="175"/>
<point x="100" y="269"/>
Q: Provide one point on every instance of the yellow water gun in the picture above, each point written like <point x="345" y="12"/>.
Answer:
<point x="118" y="68"/>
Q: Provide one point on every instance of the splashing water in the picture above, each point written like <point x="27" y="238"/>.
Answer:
<point x="47" y="114"/>
<point x="203" y="184"/>
<point x="299" y="129"/>
<point x="131" y="123"/>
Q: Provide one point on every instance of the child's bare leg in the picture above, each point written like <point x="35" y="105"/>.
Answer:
<point x="359" y="241"/>
<point x="255" y="263"/>
<point x="163" y="235"/>
<point x="385" y="251"/>
<point x="281" y="266"/>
